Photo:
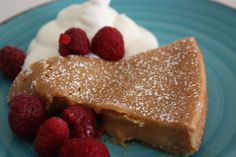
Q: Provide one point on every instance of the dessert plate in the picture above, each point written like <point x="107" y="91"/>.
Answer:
<point x="212" y="24"/>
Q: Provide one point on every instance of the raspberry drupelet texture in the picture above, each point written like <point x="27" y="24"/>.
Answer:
<point x="50" y="137"/>
<point x="108" y="43"/>
<point x="11" y="61"/>
<point x="84" y="129"/>
<point x="84" y="147"/>
<point x="74" y="41"/>
<point x="26" y="114"/>
<point x="81" y="120"/>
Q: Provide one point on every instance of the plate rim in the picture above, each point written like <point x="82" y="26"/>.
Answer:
<point x="56" y="1"/>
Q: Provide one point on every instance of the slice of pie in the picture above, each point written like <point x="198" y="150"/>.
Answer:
<point x="158" y="97"/>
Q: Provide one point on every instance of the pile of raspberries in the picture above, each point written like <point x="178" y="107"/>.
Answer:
<point x="72" y="134"/>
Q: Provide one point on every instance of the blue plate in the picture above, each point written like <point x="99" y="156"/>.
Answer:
<point x="212" y="24"/>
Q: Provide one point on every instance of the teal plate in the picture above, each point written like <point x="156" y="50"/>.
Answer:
<point x="212" y="24"/>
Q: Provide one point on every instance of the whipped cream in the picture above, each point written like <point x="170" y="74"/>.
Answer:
<point x="89" y="16"/>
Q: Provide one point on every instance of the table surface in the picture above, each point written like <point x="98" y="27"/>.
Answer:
<point x="9" y="8"/>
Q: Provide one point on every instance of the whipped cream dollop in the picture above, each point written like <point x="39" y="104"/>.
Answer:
<point x="89" y="16"/>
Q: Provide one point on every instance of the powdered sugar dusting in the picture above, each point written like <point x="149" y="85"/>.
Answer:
<point x="162" y="84"/>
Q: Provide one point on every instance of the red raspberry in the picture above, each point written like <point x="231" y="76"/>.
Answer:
<point x="76" y="113"/>
<point x="84" y="147"/>
<point x="84" y="129"/>
<point x="82" y="121"/>
<point x="73" y="41"/>
<point x="26" y="114"/>
<point x="108" y="44"/>
<point x="11" y="61"/>
<point x="50" y="137"/>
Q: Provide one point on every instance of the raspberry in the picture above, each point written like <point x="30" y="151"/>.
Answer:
<point x="26" y="114"/>
<point x="73" y="41"/>
<point x="81" y="120"/>
<point x="84" y="147"/>
<point x="76" y="113"/>
<point x="108" y="44"/>
<point x="50" y="137"/>
<point x="11" y="60"/>
<point x="84" y="129"/>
